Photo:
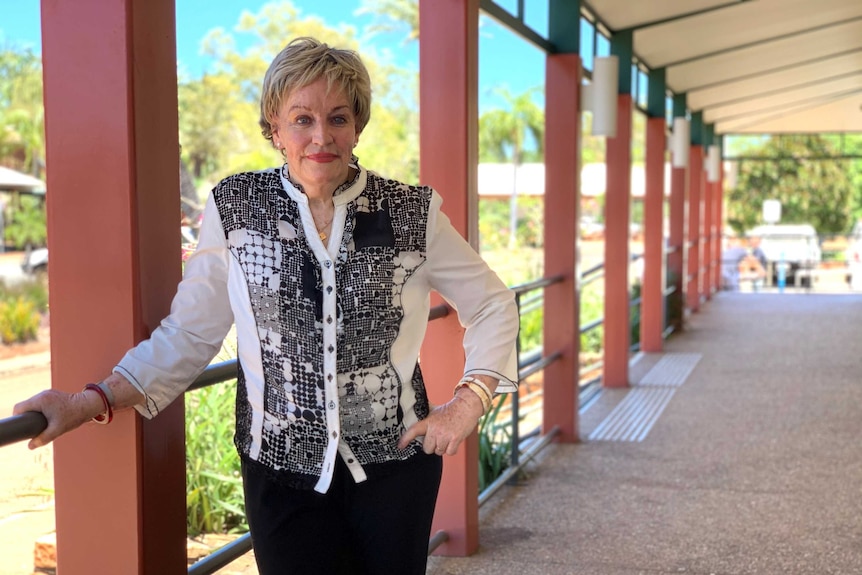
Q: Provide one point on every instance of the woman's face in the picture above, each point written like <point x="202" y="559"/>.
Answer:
<point x="317" y="129"/>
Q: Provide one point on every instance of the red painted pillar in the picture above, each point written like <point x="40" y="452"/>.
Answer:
<point x="617" y="211"/>
<point x="708" y="266"/>
<point x="695" y="205"/>
<point x="562" y="313"/>
<point x="113" y="215"/>
<point x="448" y="88"/>
<point x="652" y="291"/>
<point x="676" y="240"/>
<point x="718" y="207"/>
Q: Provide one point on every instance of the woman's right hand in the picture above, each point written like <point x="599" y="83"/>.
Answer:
<point x="64" y="412"/>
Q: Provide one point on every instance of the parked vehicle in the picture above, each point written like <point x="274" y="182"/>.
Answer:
<point x="35" y="261"/>
<point x="793" y="249"/>
<point x="853" y="257"/>
<point x="591" y="229"/>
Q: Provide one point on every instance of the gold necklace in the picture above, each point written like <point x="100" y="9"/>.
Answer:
<point x="322" y="231"/>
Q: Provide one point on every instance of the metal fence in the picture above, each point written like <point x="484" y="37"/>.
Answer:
<point x="529" y="297"/>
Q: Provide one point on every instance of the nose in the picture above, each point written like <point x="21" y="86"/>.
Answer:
<point x="322" y="134"/>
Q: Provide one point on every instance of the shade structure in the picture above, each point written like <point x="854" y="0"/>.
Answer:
<point x="770" y="66"/>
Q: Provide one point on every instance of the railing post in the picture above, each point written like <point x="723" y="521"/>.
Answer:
<point x="561" y="329"/>
<point x="652" y="292"/>
<point x="694" y="288"/>
<point x="113" y="215"/>
<point x="448" y="88"/>
<point x="516" y="399"/>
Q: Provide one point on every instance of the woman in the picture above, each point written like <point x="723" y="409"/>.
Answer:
<point x="326" y="269"/>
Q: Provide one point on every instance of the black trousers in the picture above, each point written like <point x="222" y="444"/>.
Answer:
<point x="378" y="527"/>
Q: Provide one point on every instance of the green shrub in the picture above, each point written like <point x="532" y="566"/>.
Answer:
<point x="592" y="308"/>
<point x="28" y="225"/>
<point x="531" y="329"/>
<point x="635" y="315"/>
<point x="495" y="444"/>
<point x="19" y="320"/>
<point x="35" y="291"/>
<point x="214" y="500"/>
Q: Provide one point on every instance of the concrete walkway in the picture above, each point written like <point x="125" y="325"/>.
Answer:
<point x="753" y="466"/>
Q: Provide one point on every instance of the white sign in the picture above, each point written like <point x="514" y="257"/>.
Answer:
<point x="771" y="211"/>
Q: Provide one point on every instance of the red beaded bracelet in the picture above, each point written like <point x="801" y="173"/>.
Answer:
<point x="107" y="416"/>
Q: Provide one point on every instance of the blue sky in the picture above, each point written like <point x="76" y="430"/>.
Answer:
<point x="504" y="59"/>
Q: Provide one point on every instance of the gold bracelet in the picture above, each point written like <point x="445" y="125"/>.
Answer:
<point x="481" y="384"/>
<point x="479" y="391"/>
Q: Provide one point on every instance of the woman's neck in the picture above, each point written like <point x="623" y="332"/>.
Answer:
<point x="321" y="194"/>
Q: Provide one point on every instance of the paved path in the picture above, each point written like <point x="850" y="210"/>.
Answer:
<point x="754" y="466"/>
<point x="27" y="479"/>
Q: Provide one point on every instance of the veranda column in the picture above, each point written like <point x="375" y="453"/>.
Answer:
<point x="448" y="131"/>
<point x="709" y="266"/>
<point x="718" y="211"/>
<point x="678" y="204"/>
<point x="652" y="290"/>
<point x="113" y="215"/>
<point x="617" y="230"/>
<point x="562" y="196"/>
<point x="695" y="206"/>
<point x="706" y="229"/>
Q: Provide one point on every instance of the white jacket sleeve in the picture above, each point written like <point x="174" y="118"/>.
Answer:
<point x="163" y="366"/>
<point x="486" y="307"/>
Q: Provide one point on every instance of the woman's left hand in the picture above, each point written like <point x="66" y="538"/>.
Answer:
<point x="447" y="425"/>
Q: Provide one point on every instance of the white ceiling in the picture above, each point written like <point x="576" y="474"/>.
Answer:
<point x="753" y="66"/>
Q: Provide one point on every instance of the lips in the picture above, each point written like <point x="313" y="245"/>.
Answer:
<point x="322" y="157"/>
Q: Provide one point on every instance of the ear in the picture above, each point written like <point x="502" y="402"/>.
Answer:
<point x="356" y="139"/>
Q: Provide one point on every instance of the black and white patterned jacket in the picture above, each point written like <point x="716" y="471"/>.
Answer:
<point x="328" y="336"/>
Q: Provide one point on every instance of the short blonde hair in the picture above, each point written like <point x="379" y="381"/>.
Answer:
<point x="304" y="61"/>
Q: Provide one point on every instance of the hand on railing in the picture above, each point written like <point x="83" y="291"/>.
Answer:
<point x="20" y="427"/>
<point x="62" y="411"/>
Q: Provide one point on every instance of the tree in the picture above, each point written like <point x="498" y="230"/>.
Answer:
<point x="813" y="191"/>
<point x="210" y="111"/>
<point x="22" y="124"/>
<point x="393" y="15"/>
<point x="390" y="142"/>
<point x="513" y="135"/>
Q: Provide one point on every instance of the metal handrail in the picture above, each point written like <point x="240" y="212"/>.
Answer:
<point x="536" y="284"/>
<point x="222" y="557"/>
<point x="21" y="427"/>
<point x="437" y="540"/>
<point x="511" y="472"/>
<point x="528" y="370"/>
<point x="216" y="373"/>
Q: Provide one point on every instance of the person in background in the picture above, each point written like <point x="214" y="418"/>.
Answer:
<point x="326" y="268"/>
<point x="756" y="263"/>
<point x="731" y="258"/>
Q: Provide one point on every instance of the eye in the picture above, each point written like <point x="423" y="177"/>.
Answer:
<point x="302" y="120"/>
<point x="339" y="120"/>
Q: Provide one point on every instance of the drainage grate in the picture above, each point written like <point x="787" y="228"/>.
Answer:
<point x="635" y="415"/>
<point x="671" y="370"/>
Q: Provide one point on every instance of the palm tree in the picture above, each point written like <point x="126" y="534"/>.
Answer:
<point x="505" y="135"/>
<point x="393" y="15"/>
<point x="22" y="134"/>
